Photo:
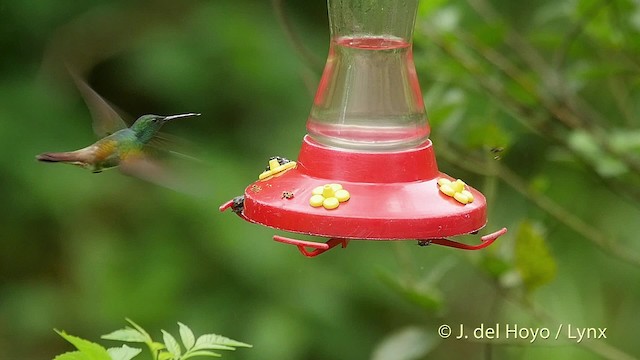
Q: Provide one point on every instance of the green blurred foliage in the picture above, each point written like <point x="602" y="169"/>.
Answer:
<point x="533" y="261"/>
<point x="554" y="84"/>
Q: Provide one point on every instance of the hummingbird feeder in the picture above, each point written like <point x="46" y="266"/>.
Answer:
<point x="366" y="169"/>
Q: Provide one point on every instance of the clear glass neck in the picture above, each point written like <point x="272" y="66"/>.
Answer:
<point x="369" y="98"/>
<point x="372" y="18"/>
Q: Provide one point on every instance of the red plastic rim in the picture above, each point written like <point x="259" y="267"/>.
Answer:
<point x="393" y="196"/>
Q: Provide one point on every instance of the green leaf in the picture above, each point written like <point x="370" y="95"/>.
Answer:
<point x="212" y="347"/>
<point x="585" y="144"/>
<point x="410" y="343"/>
<point x="200" y="353"/>
<point x="74" y="355"/>
<point x="624" y="141"/>
<point x="127" y="334"/>
<point x="123" y="353"/>
<point x="188" y="339"/>
<point x="140" y="329"/>
<point x="217" y="342"/>
<point x="172" y="345"/>
<point x="533" y="260"/>
<point x="92" y="350"/>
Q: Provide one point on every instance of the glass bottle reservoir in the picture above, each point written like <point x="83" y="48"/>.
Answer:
<point x="369" y="98"/>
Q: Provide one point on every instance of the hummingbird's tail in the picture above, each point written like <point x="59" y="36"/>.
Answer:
<point x="78" y="158"/>
<point x="84" y="158"/>
<point x="58" y="157"/>
<point x="69" y="157"/>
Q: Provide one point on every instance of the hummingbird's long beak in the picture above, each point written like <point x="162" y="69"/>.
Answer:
<point x="171" y="117"/>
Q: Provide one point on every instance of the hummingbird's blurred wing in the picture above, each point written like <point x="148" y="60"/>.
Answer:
<point x="159" y="173"/>
<point x="163" y="145"/>
<point x="106" y="119"/>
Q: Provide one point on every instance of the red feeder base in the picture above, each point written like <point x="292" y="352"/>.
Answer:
<point x="393" y="196"/>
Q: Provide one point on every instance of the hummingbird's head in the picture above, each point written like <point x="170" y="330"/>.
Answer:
<point x="147" y="126"/>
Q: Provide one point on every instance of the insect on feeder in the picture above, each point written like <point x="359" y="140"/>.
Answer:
<point x="366" y="169"/>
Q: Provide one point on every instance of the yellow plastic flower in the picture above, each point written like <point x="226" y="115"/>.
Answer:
<point x="328" y="196"/>
<point x="275" y="168"/>
<point x="455" y="189"/>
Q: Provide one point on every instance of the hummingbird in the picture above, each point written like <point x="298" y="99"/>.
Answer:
<point x="128" y="147"/>
<point x="124" y="145"/>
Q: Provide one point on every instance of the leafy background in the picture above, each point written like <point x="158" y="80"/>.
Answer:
<point x="555" y="85"/>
